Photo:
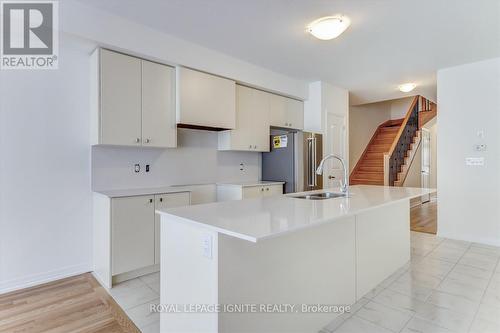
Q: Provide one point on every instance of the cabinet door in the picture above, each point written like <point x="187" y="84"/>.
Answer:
<point x="169" y="200"/>
<point x="252" y="122"/>
<point x="270" y="190"/>
<point x="205" y="100"/>
<point x="252" y="192"/>
<point x="277" y="111"/>
<point x="132" y="233"/>
<point x="158" y="105"/>
<point x="286" y="112"/>
<point x="294" y="113"/>
<point x="120" y="111"/>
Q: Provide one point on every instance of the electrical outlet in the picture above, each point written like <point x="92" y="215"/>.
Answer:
<point x="137" y="168"/>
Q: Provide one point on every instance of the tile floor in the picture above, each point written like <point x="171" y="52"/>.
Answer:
<point x="135" y="296"/>
<point x="449" y="286"/>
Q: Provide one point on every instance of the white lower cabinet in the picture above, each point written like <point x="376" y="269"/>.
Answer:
<point x="127" y="234"/>
<point x="132" y="232"/>
<point x="167" y="201"/>
<point x="226" y="192"/>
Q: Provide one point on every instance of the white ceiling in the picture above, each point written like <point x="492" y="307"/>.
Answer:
<point x="389" y="41"/>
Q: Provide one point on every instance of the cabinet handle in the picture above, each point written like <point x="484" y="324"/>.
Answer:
<point x="255" y="147"/>
<point x="161" y="199"/>
<point x="150" y="200"/>
<point x="148" y="140"/>
<point x="137" y="140"/>
<point x="262" y="189"/>
<point x="250" y="146"/>
<point x="267" y="188"/>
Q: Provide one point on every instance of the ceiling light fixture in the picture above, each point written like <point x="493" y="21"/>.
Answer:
<point x="328" y="27"/>
<point x="407" y="87"/>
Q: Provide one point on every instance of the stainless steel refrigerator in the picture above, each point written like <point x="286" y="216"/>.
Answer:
<point x="293" y="158"/>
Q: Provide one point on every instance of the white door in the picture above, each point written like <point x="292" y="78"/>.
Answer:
<point x="335" y="143"/>
<point x="120" y="99"/>
<point x="159" y="127"/>
<point x="426" y="161"/>
<point x="132" y="233"/>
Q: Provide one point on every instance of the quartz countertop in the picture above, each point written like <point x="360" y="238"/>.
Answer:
<point x="250" y="183"/>
<point x="261" y="218"/>
<point x="141" y="191"/>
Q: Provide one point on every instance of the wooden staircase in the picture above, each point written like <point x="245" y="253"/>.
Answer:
<point x="370" y="167"/>
<point x="379" y="157"/>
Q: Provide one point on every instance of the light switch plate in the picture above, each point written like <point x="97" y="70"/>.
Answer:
<point x="207" y="244"/>
<point x="474" y="161"/>
<point x="480" y="147"/>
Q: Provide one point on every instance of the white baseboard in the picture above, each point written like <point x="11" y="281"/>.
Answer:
<point x="36" y="279"/>
<point x="467" y="238"/>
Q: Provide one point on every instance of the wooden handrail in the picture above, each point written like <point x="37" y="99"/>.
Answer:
<point x="403" y="125"/>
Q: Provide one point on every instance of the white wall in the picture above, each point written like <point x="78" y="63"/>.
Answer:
<point x="196" y="161"/>
<point x="399" y="107"/>
<point x="469" y="197"/>
<point x="364" y="120"/>
<point x="414" y="175"/>
<point x="45" y="229"/>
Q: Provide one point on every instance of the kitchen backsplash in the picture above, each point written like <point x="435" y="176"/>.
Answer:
<point x="195" y="161"/>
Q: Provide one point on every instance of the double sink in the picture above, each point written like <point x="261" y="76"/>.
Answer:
<point x="321" y="196"/>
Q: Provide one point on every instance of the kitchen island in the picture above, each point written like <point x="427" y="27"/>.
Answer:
<point x="261" y="265"/>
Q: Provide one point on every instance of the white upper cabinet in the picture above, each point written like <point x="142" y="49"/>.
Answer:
<point x="120" y="104"/>
<point x="205" y="100"/>
<point x="159" y="128"/>
<point x="252" y="122"/>
<point x="286" y="112"/>
<point x="133" y="101"/>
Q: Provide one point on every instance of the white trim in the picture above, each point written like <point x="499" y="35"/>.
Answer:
<point x="36" y="279"/>
<point x="479" y="240"/>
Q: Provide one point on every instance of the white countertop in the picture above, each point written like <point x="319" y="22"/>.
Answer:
<point x="141" y="191"/>
<point x="250" y="184"/>
<point x="261" y="218"/>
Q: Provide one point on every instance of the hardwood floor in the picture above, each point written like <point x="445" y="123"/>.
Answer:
<point x="76" y="304"/>
<point x="423" y="218"/>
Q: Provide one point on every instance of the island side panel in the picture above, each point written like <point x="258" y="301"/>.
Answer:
<point x="101" y="247"/>
<point x="188" y="274"/>
<point x="310" y="266"/>
<point x="382" y="244"/>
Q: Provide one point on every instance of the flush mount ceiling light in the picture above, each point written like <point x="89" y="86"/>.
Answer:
<point x="407" y="87"/>
<point x="328" y="27"/>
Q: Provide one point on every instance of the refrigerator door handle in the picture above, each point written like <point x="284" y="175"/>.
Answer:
<point x="310" y="162"/>
<point x="313" y="164"/>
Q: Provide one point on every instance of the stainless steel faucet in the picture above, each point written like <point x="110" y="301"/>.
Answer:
<point x="345" y="184"/>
